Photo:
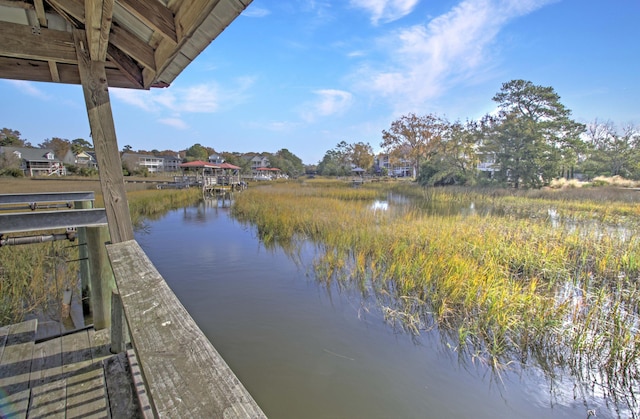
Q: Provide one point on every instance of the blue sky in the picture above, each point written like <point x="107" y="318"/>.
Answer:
<point x="306" y="74"/>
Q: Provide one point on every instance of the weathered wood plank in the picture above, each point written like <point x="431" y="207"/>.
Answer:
<point x="34" y="70"/>
<point x="101" y="277"/>
<point x="118" y="324"/>
<point x="4" y="331"/>
<point x="85" y="378"/>
<point x="139" y="386"/>
<point x="133" y="46"/>
<point x="48" y="386"/>
<point x="100" y="344"/>
<point x="15" y="405"/>
<point x="128" y="67"/>
<point x="49" y="400"/>
<point x="154" y="14"/>
<point x="185" y="375"/>
<point x="18" y="41"/>
<point x="103" y="132"/>
<point x="86" y="396"/>
<point x="98" y="16"/>
<point x="76" y="353"/>
<point x="15" y="364"/>
<point x="15" y="367"/>
<point x="122" y="399"/>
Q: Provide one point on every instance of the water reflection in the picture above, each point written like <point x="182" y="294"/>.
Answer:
<point x="207" y="208"/>
<point x="380" y="206"/>
<point x="310" y="347"/>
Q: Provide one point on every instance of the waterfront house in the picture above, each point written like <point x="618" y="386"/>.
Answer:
<point x="36" y="161"/>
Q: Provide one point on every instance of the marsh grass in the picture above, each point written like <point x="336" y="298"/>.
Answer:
<point x="502" y="288"/>
<point x="33" y="277"/>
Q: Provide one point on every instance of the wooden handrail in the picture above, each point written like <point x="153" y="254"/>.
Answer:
<point x="183" y="372"/>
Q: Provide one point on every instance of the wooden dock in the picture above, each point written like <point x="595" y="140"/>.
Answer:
<point x="71" y="376"/>
<point x="164" y="366"/>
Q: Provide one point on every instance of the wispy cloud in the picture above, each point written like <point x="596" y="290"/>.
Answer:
<point x="29" y="88"/>
<point x="256" y="11"/>
<point x="177" y="123"/>
<point x="175" y="101"/>
<point x="328" y="102"/>
<point x="423" y="61"/>
<point x="281" y="126"/>
<point x="385" y="10"/>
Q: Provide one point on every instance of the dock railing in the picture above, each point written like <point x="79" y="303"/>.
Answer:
<point x="182" y="373"/>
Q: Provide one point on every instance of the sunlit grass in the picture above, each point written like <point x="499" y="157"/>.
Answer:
<point x="33" y="277"/>
<point x="503" y="285"/>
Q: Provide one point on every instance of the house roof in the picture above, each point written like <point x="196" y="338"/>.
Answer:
<point x="199" y="164"/>
<point x="228" y="166"/>
<point x="31" y="154"/>
<point x="144" y="43"/>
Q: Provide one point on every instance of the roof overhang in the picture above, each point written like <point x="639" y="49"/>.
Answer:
<point x="143" y="43"/>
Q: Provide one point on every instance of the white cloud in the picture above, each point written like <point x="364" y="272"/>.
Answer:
<point x="355" y="54"/>
<point x="28" y="88"/>
<point x="200" y="98"/>
<point x="174" y="122"/>
<point x="386" y="10"/>
<point x="256" y="11"/>
<point x="140" y="99"/>
<point x="423" y="61"/>
<point x="281" y="126"/>
<point x="328" y="102"/>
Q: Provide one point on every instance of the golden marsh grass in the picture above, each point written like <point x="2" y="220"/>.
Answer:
<point x="502" y="287"/>
<point x="33" y="277"/>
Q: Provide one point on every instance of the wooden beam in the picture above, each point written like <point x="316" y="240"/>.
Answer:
<point x="127" y="66"/>
<point x="98" y="15"/>
<point x="96" y="96"/>
<point x="16" y="4"/>
<point x="191" y="13"/>
<point x="133" y="47"/>
<point x="19" y="41"/>
<point x="154" y="14"/>
<point x="119" y="37"/>
<point x="53" y="69"/>
<point x="42" y="18"/>
<point x="69" y="8"/>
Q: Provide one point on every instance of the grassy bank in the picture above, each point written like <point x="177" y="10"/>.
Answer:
<point x="33" y="277"/>
<point x="501" y="286"/>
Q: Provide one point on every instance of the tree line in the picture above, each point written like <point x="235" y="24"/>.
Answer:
<point x="283" y="159"/>
<point x="530" y="140"/>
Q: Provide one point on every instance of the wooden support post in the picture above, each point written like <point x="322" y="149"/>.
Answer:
<point x="118" y="325"/>
<point x="103" y="133"/>
<point x="83" y="255"/>
<point x="102" y="279"/>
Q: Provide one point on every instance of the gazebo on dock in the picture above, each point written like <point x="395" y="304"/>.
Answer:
<point x="135" y="44"/>
<point x="210" y="174"/>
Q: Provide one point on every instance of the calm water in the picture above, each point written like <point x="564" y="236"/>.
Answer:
<point x="305" y="351"/>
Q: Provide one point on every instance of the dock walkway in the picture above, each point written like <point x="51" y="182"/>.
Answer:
<point x="71" y="376"/>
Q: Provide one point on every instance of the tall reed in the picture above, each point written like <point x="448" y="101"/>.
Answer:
<point x="505" y="287"/>
<point x="33" y="277"/>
